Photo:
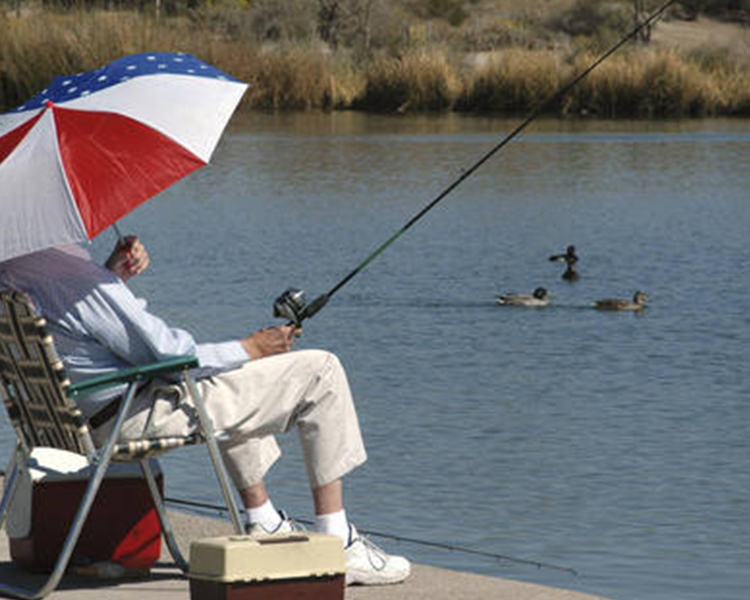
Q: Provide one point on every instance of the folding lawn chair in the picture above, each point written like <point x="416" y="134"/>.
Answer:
<point x="41" y="404"/>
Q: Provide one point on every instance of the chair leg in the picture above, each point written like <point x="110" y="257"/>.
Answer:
<point x="167" y="531"/>
<point x="9" y="489"/>
<point x="99" y="464"/>
<point x="70" y="541"/>
<point x="216" y="459"/>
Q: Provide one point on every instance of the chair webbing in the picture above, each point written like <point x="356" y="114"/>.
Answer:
<point x="33" y="380"/>
<point x="152" y="447"/>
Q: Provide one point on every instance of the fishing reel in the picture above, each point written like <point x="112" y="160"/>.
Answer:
<point x="290" y="306"/>
<point x="293" y="307"/>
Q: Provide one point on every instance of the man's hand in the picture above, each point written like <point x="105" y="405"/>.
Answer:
<point x="128" y="258"/>
<point x="270" y="341"/>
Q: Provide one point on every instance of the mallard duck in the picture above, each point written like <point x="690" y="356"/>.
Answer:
<point x="540" y="297"/>
<point x="570" y="258"/>
<point x="638" y="303"/>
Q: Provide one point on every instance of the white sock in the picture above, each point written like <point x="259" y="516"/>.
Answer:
<point x="333" y="524"/>
<point x="265" y="515"/>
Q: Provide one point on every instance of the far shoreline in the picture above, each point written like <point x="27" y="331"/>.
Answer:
<point x="640" y="81"/>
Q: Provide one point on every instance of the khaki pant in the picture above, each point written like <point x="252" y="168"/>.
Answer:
<point x="306" y="389"/>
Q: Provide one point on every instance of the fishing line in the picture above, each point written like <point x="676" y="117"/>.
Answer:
<point x="291" y="304"/>
<point x="399" y="538"/>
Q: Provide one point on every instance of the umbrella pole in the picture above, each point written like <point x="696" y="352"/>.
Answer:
<point x="120" y="238"/>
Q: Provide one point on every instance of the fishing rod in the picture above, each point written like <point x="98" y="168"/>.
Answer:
<point x="291" y="305"/>
<point x="398" y="538"/>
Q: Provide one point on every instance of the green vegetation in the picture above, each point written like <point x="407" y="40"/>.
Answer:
<point x="402" y="55"/>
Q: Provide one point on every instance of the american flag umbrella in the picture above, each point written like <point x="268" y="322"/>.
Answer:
<point x="93" y="146"/>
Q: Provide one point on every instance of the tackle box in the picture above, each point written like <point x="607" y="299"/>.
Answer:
<point x="296" y="566"/>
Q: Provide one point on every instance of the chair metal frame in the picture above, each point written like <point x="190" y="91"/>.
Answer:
<point x="41" y="404"/>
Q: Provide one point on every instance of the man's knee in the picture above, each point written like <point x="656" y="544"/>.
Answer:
<point x="321" y="360"/>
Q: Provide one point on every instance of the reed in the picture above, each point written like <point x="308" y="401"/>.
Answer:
<point x="732" y="82"/>
<point x="645" y="84"/>
<point x="613" y="90"/>
<point x="296" y="76"/>
<point x="512" y="81"/>
<point x="671" y="86"/>
<point x="34" y="50"/>
<point x="735" y="91"/>
<point x="421" y="81"/>
<point x="290" y="76"/>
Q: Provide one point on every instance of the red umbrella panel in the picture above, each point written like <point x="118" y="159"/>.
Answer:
<point x="94" y="146"/>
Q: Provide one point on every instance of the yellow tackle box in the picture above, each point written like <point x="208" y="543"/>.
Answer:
<point x="296" y="566"/>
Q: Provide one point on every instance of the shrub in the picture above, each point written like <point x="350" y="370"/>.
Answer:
<point x="300" y="76"/>
<point x="415" y="81"/>
<point x="451" y="11"/>
<point x="590" y="17"/>
<point x="644" y="84"/>
<point x="513" y="80"/>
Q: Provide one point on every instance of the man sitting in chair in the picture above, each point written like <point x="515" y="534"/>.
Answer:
<point x="253" y="388"/>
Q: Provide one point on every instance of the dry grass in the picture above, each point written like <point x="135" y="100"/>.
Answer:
<point x="299" y="77"/>
<point x="644" y="84"/>
<point x="733" y="90"/>
<point x="673" y="87"/>
<point x="512" y="80"/>
<point x="416" y="81"/>
<point x="639" y="82"/>
<point x="34" y="50"/>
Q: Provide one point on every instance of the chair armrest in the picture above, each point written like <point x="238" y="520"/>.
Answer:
<point x="101" y="382"/>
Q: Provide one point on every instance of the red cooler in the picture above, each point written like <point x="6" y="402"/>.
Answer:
<point x="122" y="525"/>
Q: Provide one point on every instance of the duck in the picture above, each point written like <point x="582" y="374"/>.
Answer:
<point x="570" y="258"/>
<point x="571" y="274"/>
<point x="540" y="297"/>
<point x="638" y="302"/>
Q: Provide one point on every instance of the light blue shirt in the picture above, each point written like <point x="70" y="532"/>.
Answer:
<point x="98" y="324"/>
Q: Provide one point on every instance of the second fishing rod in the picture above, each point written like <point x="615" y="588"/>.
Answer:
<point x="292" y="304"/>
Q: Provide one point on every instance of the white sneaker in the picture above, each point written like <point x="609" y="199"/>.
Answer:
<point x="287" y="525"/>
<point x="366" y="564"/>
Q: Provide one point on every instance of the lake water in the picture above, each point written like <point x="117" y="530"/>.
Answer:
<point x="615" y="444"/>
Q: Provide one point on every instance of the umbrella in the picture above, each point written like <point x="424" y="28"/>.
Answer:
<point x="93" y="146"/>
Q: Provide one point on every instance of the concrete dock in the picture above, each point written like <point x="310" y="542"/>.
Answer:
<point x="167" y="583"/>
